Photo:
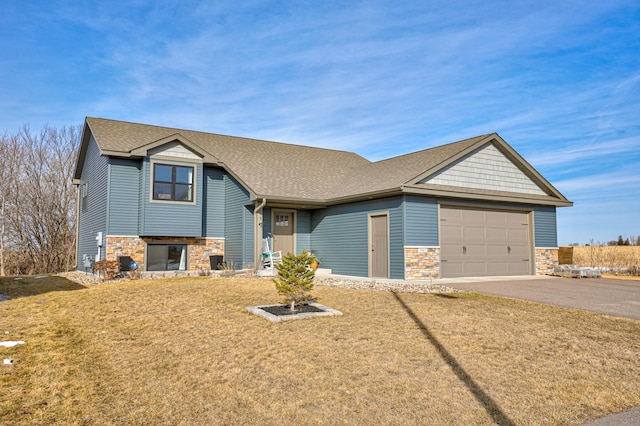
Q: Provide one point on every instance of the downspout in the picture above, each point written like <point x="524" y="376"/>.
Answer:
<point x="257" y="245"/>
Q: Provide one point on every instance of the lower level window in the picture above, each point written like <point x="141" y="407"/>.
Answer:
<point x="167" y="257"/>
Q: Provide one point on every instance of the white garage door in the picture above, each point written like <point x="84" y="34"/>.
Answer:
<point x="477" y="243"/>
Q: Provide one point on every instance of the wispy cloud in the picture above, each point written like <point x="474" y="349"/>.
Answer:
<point x="560" y="81"/>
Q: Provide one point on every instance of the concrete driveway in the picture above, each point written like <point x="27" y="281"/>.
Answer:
<point x="620" y="298"/>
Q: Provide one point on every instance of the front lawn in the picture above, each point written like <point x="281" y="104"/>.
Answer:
<point x="186" y="351"/>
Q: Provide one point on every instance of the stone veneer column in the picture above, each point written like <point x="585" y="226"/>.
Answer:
<point x="421" y="263"/>
<point x="200" y="249"/>
<point x="546" y="259"/>
<point x="125" y="246"/>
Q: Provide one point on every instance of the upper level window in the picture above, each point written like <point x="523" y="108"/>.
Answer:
<point x="84" y="192"/>
<point x="172" y="183"/>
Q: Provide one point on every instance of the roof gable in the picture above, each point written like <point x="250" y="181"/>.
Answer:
<point x="173" y="149"/>
<point x="485" y="168"/>
<point x="174" y="145"/>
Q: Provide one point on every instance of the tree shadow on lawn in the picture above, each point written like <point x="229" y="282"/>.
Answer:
<point x="15" y="287"/>
<point x="490" y="406"/>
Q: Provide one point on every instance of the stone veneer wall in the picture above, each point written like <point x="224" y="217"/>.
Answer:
<point x="421" y="263"/>
<point x="546" y="259"/>
<point x="199" y="249"/>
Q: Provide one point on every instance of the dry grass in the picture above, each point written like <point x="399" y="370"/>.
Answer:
<point x="186" y="351"/>
<point x="616" y="258"/>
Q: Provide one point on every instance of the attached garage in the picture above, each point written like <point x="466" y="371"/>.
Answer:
<point x="480" y="242"/>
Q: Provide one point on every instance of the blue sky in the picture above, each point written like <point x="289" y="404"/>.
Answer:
<point x="558" y="80"/>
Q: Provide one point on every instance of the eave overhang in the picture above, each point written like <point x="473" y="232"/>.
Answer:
<point x="493" y="196"/>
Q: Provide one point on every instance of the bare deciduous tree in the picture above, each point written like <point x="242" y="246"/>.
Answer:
<point x="38" y="200"/>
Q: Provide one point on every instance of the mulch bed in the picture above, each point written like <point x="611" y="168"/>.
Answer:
<point x="286" y="310"/>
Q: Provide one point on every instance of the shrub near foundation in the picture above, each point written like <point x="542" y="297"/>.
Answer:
<point x="107" y="268"/>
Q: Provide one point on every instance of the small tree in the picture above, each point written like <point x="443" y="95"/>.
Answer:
<point x="295" y="278"/>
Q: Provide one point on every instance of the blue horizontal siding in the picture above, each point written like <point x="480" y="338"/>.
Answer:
<point x="303" y="230"/>
<point x="266" y="222"/>
<point x="546" y="231"/>
<point x="339" y="236"/>
<point x="94" y="219"/>
<point x="238" y="224"/>
<point x="213" y="203"/>
<point x="124" y="194"/>
<point x="421" y="221"/>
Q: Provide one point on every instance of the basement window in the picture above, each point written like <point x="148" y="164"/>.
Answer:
<point x="167" y="257"/>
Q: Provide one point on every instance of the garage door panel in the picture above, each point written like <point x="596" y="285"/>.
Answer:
<point x="451" y="233"/>
<point x="455" y="267"/>
<point x="478" y="242"/>
<point x="452" y="217"/>
<point x="518" y="268"/>
<point x="474" y="269"/>
<point x="472" y="216"/>
<point x="495" y="219"/>
<point x="451" y="250"/>
<point x="497" y="268"/>
<point x="497" y="234"/>
<point x="474" y="250"/>
<point x="517" y="235"/>
<point x="499" y="250"/>
<point x="513" y="218"/>
<point x="471" y="232"/>
<point x="518" y="253"/>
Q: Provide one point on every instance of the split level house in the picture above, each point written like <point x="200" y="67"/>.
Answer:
<point x="173" y="199"/>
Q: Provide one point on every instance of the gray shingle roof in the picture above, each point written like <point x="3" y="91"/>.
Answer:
<point x="271" y="169"/>
<point x="395" y="172"/>
<point x="299" y="173"/>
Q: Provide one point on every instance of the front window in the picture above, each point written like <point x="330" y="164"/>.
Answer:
<point x="172" y="183"/>
<point x="166" y="257"/>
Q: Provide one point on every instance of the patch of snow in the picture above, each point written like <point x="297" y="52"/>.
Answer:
<point x="12" y="343"/>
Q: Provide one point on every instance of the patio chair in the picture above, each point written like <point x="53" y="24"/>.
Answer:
<point x="269" y="257"/>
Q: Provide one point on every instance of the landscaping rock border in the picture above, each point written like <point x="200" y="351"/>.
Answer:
<point x="400" y="286"/>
